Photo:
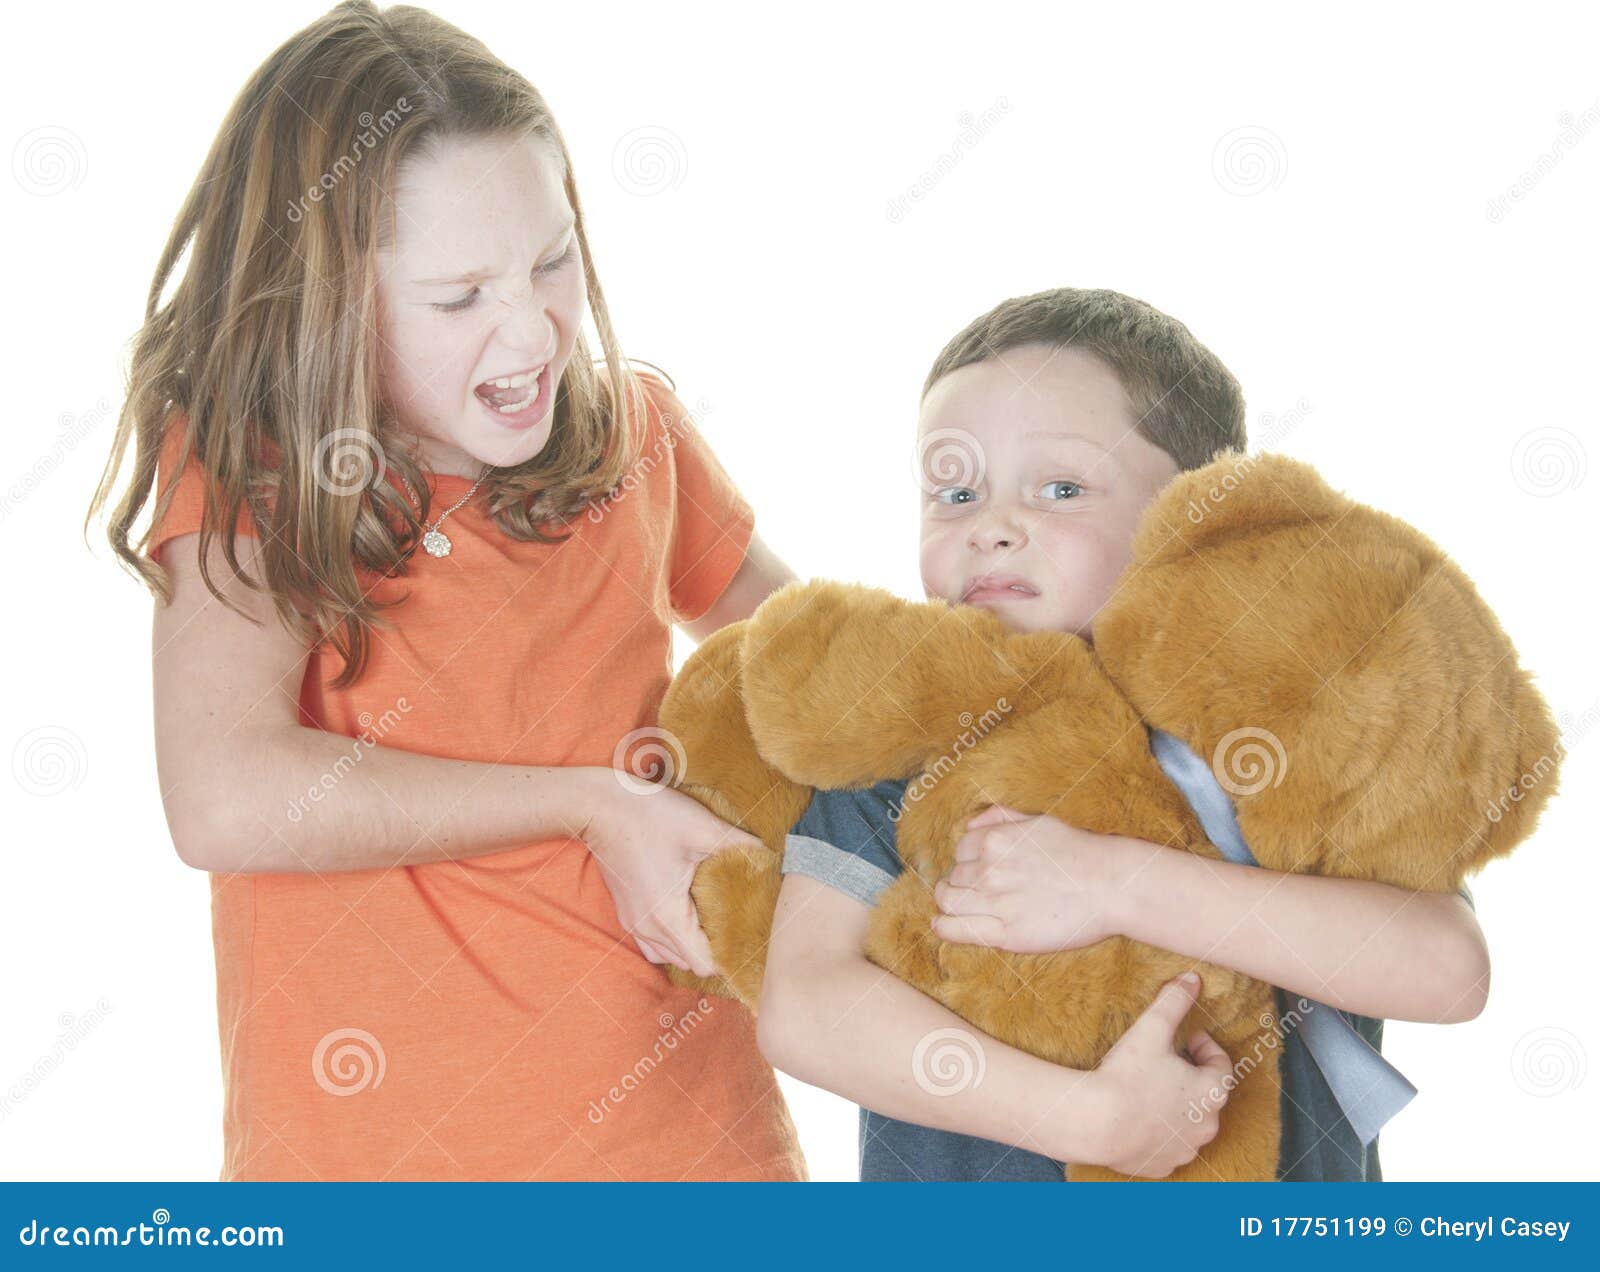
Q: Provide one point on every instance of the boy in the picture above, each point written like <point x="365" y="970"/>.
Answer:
<point x="1048" y="425"/>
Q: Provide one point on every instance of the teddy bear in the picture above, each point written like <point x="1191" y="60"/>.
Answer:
<point x="1358" y="699"/>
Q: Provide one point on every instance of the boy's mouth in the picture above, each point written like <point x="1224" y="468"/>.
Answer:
<point x="998" y="587"/>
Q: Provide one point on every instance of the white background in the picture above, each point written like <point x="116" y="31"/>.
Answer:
<point x="1311" y="192"/>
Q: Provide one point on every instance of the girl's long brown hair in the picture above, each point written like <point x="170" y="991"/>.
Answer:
<point x="271" y="332"/>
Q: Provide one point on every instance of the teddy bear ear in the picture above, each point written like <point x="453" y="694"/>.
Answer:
<point x="848" y="685"/>
<point x="1336" y="665"/>
<point x="1235" y="494"/>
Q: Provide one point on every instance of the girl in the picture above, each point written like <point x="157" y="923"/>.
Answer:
<point x="431" y="887"/>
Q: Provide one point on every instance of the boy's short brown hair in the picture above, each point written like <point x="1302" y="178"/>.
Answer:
<point x="1186" y="402"/>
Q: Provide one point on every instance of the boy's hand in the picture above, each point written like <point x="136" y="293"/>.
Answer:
<point x="1034" y="884"/>
<point x="1161" y="1107"/>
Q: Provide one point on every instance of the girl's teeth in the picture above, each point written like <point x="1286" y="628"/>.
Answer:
<point x="516" y="381"/>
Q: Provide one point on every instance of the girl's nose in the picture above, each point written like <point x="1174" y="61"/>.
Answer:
<point x="526" y="319"/>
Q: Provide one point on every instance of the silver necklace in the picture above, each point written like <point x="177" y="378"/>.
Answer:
<point x="434" y="539"/>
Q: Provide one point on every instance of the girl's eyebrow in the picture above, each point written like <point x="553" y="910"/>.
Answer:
<point x="478" y="275"/>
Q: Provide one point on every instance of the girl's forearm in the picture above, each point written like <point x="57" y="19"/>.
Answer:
<point x="298" y="799"/>
<point x="1338" y="941"/>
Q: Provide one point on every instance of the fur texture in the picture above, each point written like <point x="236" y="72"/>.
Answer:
<point x="1354" y="694"/>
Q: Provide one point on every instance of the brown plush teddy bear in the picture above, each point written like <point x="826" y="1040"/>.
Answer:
<point x="1264" y="620"/>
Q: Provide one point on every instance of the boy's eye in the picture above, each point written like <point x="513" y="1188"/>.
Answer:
<point x="955" y="495"/>
<point x="549" y="267"/>
<point x="1061" y="490"/>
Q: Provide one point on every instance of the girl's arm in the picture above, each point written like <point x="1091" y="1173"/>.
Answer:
<point x="1036" y="883"/>
<point x="761" y="574"/>
<point x="247" y="788"/>
<point x="833" y="1019"/>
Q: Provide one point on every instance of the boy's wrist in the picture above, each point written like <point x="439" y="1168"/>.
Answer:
<point x="1135" y="866"/>
<point x="1086" y="1114"/>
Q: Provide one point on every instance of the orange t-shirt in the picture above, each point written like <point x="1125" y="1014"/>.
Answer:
<point x="488" y="1018"/>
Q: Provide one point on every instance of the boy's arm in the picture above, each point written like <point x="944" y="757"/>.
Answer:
<point x="833" y="1019"/>
<point x="1036" y="883"/>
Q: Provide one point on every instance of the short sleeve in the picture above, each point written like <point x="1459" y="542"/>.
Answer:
<point x="185" y="514"/>
<point x="712" y="521"/>
<point x="846" y="839"/>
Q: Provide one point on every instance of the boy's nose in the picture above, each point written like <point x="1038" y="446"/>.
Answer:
<point x="998" y="533"/>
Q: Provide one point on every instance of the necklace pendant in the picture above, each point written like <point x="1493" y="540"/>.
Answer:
<point x="436" y="544"/>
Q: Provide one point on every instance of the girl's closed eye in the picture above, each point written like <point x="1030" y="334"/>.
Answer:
<point x="549" y="267"/>
<point x="456" y="306"/>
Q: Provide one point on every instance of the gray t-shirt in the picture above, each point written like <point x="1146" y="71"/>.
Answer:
<point x="846" y="839"/>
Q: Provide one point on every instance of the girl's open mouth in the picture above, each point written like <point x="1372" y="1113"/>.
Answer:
<point x="517" y="401"/>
